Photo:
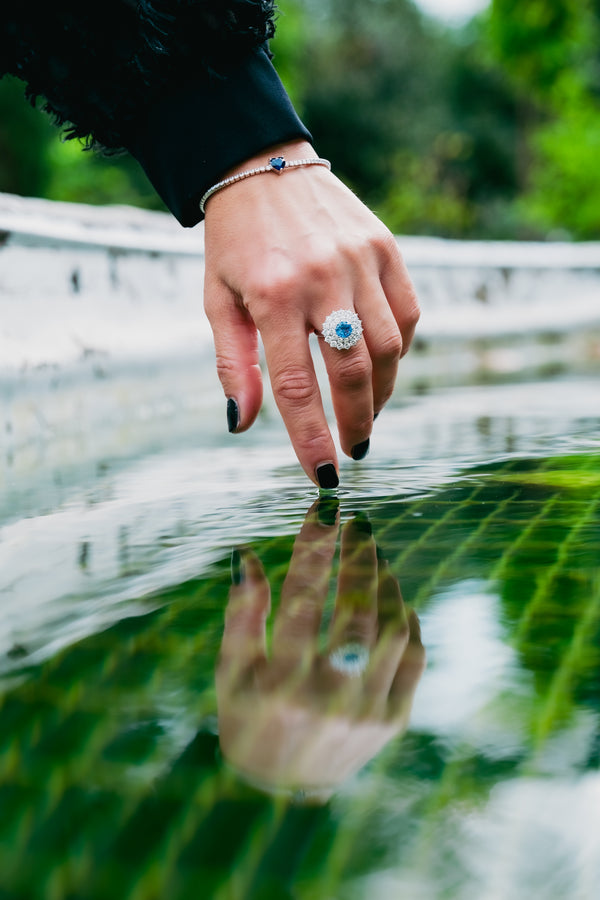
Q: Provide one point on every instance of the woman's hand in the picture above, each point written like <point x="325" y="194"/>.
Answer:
<point x="312" y="709"/>
<point x="282" y="252"/>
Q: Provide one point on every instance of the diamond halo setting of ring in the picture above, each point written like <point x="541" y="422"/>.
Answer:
<point x="350" y="659"/>
<point x="342" y="329"/>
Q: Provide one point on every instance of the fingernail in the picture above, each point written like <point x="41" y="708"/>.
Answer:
<point x="327" y="476"/>
<point x="362" y="524"/>
<point x="233" y="415"/>
<point x="359" y="451"/>
<point x="375" y="416"/>
<point x="327" y="509"/>
<point x="238" y="573"/>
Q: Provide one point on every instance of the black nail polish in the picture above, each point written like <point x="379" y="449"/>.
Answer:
<point x="375" y="416"/>
<point x="237" y="568"/>
<point x="233" y="415"/>
<point x="327" y="476"/>
<point x="359" y="451"/>
<point x="362" y="524"/>
<point x="327" y="510"/>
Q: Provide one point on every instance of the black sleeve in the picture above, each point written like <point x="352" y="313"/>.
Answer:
<point x="192" y="136"/>
<point x="186" y="86"/>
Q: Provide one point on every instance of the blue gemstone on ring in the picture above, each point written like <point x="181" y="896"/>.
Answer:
<point x="343" y="330"/>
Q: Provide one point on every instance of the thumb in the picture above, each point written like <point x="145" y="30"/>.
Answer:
<point x="236" y="346"/>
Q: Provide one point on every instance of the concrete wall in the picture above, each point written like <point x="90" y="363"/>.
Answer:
<point x="104" y="343"/>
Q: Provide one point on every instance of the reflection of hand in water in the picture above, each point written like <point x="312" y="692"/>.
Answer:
<point x="314" y="710"/>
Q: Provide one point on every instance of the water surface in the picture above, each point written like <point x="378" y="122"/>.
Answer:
<point x="461" y="763"/>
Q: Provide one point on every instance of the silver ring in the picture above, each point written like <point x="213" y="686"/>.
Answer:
<point x="350" y="659"/>
<point x="342" y="329"/>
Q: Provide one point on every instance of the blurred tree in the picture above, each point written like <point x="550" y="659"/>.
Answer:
<point x="490" y="130"/>
<point x="34" y="162"/>
<point x="551" y="52"/>
<point x="84" y="176"/>
<point x="371" y="66"/>
<point x="24" y="139"/>
<point x="416" y="118"/>
<point x="539" y="40"/>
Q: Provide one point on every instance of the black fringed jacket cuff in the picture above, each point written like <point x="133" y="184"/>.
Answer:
<point x="186" y="86"/>
<point x="191" y="137"/>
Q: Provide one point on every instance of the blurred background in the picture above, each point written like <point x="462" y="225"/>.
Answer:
<point x="459" y="118"/>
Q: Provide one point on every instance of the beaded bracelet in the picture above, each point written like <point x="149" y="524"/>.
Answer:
<point x="276" y="164"/>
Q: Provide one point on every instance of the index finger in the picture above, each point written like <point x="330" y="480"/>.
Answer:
<point x="244" y="635"/>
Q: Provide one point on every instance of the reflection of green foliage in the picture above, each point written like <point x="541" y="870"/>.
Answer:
<point x="572" y="479"/>
<point x="110" y="778"/>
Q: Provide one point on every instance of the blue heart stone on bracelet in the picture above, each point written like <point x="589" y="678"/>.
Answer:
<point x="277" y="163"/>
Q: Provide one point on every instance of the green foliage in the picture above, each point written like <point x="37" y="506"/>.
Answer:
<point x="421" y="200"/>
<point x="564" y="190"/>
<point x="366" y="81"/>
<point x="414" y="117"/>
<point x="24" y="139"/>
<point x="290" y="48"/>
<point x="539" y="39"/>
<point x="551" y="51"/>
<point x="490" y="130"/>
<point x="82" y="176"/>
<point x="34" y="162"/>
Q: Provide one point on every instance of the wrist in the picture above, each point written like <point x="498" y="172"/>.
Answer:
<point x="295" y="158"/>
<point x="290" y="150"/>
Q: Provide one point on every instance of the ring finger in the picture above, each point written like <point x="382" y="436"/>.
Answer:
<point x="350" y="373"/>
<point x="362" y="378"/>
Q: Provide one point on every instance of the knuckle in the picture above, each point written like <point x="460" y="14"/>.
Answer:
<point x="354" y="250"/>
<point x="273" y="288"/>
<point x="389" y="348"/>
<point x="294" y="385"/>
<point x="412" y="311"/>
<point x="409" y="325"/>
<point x="354" y="373"/>
<point x="226" y="367"/>
<point x="363" y="425"/>
<point x="385" y="244"/>
<point x="313" y="442"/>
<point x="385" y="393"/>
<point x="271" y="279"/>
<point x="321" y="267"/>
